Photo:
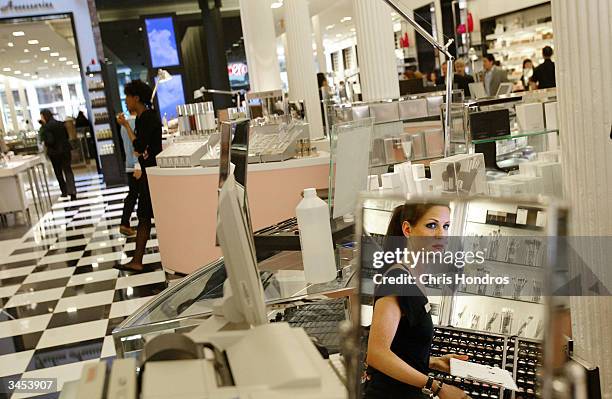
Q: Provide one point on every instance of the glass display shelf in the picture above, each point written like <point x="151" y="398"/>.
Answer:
<point x="190" y="302"/>
<point x="514" y="135"/>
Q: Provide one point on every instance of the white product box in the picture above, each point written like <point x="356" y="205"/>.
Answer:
<point x="550" y="114"/>
<point x="533" y="184"/>
<point x="373" y="183"/>
<point x="418" y="171"/>
<point x="463" y="174"/>
<point x="506" y="188"/>
<point x="530" y="117"/>
<point x="424" y="186"/>
<point x="181" y="155"/>
<point x="413" y="109"/>
<point x="391" y="181"/>
<point x="550" y="156"/>
<point x="550" y="172"/>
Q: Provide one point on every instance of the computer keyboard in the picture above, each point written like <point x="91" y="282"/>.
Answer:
<point x="321" y="320"/>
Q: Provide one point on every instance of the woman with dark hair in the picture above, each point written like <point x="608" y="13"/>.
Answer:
<point x="401" y="334"/>
<point x="147" y="141"/>
<point x="527" y="73"/>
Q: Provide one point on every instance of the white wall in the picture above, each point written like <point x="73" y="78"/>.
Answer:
<point x="482" y="9"/>
<point x="82" y="22"/>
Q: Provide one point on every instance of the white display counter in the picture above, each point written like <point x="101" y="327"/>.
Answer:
<point x="13" y="196"/>
<point x="185" y="204"/>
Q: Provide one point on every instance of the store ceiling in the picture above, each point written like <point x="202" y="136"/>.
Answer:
<point x="29" y="59"/>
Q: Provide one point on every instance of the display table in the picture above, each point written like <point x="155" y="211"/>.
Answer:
<point x="13" y="196"/>
<point x="185" y="204"/>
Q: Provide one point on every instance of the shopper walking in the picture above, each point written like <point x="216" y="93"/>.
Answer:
<point x="544" y="74"/>
<point x="492" y="75"/>
<point x="133" y="175"/>
<point x="398" y="354"/>
<point x="55" y="136"/>
<point x="147" y="140"/>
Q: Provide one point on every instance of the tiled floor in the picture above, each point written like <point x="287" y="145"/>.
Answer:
<point x="59" y="294"/>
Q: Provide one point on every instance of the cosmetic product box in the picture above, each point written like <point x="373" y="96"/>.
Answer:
<point x="434" y="105"/>
<point x="434" y="142"/>
<point x="384" y="112"/>
<point x="413" y="109"/>
<point x="506" y="188"/>
<point x="550" y="115"/>
<point x="462" y="174"/>
<point x="489" y="124"/>
<point x="530" y="117"/>
<point x="533" y="184"/>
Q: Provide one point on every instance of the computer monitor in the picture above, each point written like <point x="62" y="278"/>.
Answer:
<point x="236" y="240"/>
<point x="477" y="90"/>
<point x="411" y="86"/>
<point x="504" y="88"/>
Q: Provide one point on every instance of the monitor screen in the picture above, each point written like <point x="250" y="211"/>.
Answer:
<point x="162" y="42"/>
<point x="170" y="94"/>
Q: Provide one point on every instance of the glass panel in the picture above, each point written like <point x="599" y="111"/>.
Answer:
<point x="49" y="94"/>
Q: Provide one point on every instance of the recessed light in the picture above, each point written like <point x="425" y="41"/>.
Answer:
<point x="46" y="61"/>
<point x="6" y="69"/>
<point x="10" y="44"/>
<point x="18" y="33"/>
<point x="62" y="59"/>
<point x="75" y="66"/>
<point x="353" y="30"/>
<point x="338" y="35"/>
<point x="33" y="41"/>
<point x="276" y="4"/>
<point x="26" y="74"/>
<point x="346" y="19"/>
<point x="54" y="54"/>
<point x="329" y="27"/>
<point x="69" y="62"/>
<point x="45" y="48"/>
<point x="17" y="72"/>
<point x="25" y="50"/>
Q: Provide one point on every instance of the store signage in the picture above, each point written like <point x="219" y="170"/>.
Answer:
<point x="11" y="6"/>
<point x="237" y="70"/>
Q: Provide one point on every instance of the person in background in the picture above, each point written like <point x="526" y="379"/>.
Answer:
<point x="147" y="141"/>
<point x="55" y="136"/>
<point x="442" y="77"/>
<point x="430" y="79"/>
<point x="324" y="89"/>
<point x="133" y="175"/>
<point x="527" y="74"/>
<point x="342" y="90"/>
<point x="544" y="74"/>
<point x="461" y="78"/>
<point x="492" y="75"/>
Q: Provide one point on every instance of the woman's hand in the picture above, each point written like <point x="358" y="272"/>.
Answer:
<point x="121" y="119"/>
<point x="443" y="363"/>
<point x="451" y="392"/>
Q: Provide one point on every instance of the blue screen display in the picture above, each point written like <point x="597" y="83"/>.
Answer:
<point x="169" y="95"/>
<point x="162" y="42"/>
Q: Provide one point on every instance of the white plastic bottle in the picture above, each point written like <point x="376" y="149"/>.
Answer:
<point x="316" y="238"/>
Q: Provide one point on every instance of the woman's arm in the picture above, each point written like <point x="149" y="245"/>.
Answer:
<point x="385" y="320"/>
<point x="124" y="122"/>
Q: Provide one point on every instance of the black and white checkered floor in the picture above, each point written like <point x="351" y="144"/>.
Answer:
<point x="59" y="294"/>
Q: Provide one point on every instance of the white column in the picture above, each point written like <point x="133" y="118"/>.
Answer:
<point x="11" y="104"/>
<point x="376" y="47"/>
<point x="260" y="44"/>
<point x="318" y="39"/>
<point x="301" y="70"/>
<point x="582" y="43"/>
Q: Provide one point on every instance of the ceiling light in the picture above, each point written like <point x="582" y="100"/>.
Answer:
<point x="46" y="61"/>
<point x="75" y="66"/>
<point x="6" y="69"/>
<point x="338" y="35"/>
<point x="26" y="74"/>
<point x="17" y="72"/>
<point x="54" y="54"/>
<point x="276" y="4"/>
<point x="45" y="48"/>
<point x="329" y="27"/>
<point x="33" y="41"/>
<point x="62" y="59"/>
<point x="346" y="19"/>
<point x="69" y="62"/>
<point x="10" y="44"/>
<point x="18" y="33"/>
<point x="25" y="50"/>
<point x="353" y="30"/>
